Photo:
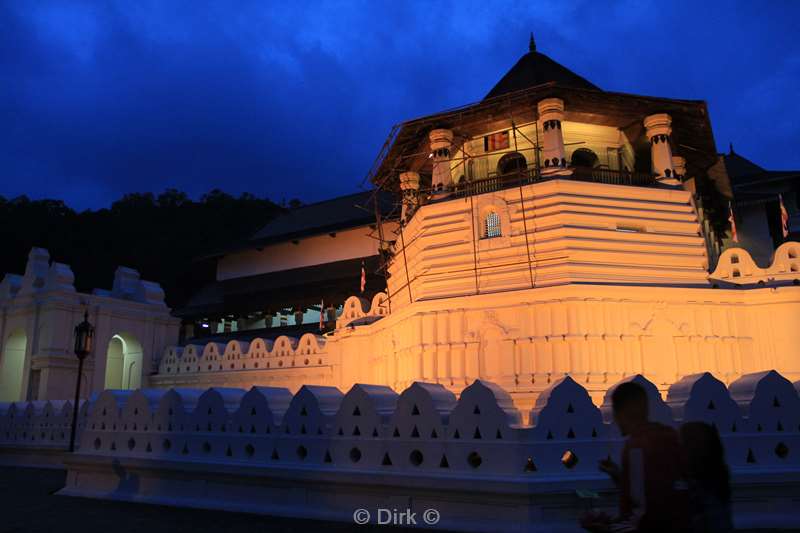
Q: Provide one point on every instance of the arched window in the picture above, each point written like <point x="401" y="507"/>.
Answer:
<point x="583" y="157"/>
<point x="492" y="225"/>
<point x="124" y="358"/>
<point x="12" y="367"/>
<point x="511" y="163"/>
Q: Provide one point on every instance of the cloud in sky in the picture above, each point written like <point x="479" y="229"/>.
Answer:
<point x="295" y="99"/>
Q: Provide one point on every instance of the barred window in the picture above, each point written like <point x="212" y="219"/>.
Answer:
<point x="492" y="224"/>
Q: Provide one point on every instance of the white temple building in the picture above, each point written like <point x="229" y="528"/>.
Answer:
<point x="453" y="334"/>
<point x="550" y="229"/>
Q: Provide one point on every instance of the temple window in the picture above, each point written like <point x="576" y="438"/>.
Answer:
<point x="511" y="163"/>
<point x="492" y="225"/>
<point x="583" y="157"/>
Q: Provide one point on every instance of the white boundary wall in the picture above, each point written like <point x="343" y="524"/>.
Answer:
<point x="323" y="454"/>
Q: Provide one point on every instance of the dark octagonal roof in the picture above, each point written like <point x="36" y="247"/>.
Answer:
<point x="535" y="68"/>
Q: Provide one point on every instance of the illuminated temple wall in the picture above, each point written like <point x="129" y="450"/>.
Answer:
<point x="523" y="340"/>
<point x="551" y="233"/>
<point x="526" y="339"/>
<point x="621" y="287"/>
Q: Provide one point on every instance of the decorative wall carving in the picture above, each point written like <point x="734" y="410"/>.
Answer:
<point x="736" y="266"/>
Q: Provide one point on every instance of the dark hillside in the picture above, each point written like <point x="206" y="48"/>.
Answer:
<point x="161" y="236"/>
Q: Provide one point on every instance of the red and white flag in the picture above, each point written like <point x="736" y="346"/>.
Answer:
<point x="363" y="278"/>
<point x="732" y="220"/>
<point x="321" y="314"/>
<point x="784" y="217"/>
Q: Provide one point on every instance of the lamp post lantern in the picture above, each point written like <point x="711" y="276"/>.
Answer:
<point x="84" y="339"/>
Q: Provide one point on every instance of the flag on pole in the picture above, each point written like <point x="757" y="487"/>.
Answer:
<point x="363" y="278"/>
<point x="784" y="217"/>
<point x="734" y="235"/>
<point x="322" y="314"/>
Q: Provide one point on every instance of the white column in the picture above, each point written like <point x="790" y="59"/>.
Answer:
<point x="409" y="184"/>
<point x="441" y="142"/>
<point x="659" y="128"/>
<point x="551" y="114"/>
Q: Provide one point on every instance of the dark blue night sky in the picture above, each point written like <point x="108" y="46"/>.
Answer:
<point x="294" y="100"/>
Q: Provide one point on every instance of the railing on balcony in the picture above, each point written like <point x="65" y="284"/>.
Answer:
<point x="613" y="177"/>
<point x="496" y="182"/>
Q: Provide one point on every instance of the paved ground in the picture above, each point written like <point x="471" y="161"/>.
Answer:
<point x="29" y="506"/>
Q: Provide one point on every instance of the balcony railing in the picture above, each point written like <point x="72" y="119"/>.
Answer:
<point x="496" y="182"/>
<point x="613" y="177"/>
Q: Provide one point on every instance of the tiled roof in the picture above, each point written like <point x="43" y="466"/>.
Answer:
<point x="329" y="215"/>
<point x="747" y="178"/>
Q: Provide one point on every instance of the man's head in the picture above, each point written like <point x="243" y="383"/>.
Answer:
<point x="629" y="403"/>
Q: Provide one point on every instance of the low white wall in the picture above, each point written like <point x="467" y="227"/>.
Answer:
<point x="325" y="454"/>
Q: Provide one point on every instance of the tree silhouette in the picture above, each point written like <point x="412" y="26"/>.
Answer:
<point x="167" y="238"/>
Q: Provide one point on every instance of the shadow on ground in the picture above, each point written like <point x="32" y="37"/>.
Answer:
<point x="31" y="507"/>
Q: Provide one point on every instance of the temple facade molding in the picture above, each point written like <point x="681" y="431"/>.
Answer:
<point x="550" y="233"/>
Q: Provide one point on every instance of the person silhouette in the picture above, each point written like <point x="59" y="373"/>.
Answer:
<point x="651" y="479"/>
<point x="708" y="477"/>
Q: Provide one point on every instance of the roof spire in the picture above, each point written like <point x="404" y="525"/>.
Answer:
<point x="731" y="147"/>
<point x="532" y="44"/>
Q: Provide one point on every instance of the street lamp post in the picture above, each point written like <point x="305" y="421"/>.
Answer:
<point x="84" y="338"/>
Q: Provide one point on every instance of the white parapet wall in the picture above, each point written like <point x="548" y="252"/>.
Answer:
<point x="474" y="459"/>
<point x="37" y="433"/>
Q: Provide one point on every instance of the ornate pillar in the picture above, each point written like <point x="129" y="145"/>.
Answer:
<point x="551" y="114"/>
<point x="441" y="142"/>
<point x="659" y="128"/>
<point x="409" y="184"/>
<point x="679" y="170"/>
